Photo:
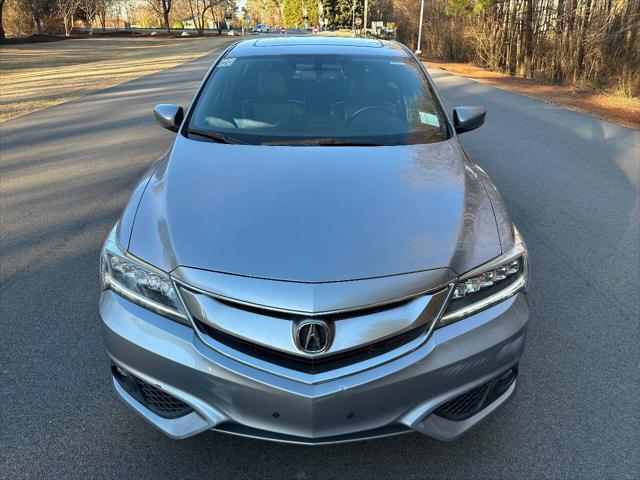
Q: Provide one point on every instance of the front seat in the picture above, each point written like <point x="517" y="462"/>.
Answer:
<point x="368" y="90"/>
<point x="270" y="105"/>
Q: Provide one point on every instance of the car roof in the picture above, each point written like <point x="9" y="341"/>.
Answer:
<point x="319" y="45"/>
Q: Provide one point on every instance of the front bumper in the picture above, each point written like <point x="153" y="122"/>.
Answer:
<point x="394" y="397"/>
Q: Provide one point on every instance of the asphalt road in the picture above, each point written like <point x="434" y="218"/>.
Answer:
<point x="571" y="183"/>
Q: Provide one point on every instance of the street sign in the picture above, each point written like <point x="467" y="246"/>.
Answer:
<point x="315" y="29"/>
<point x="358" y="21"/>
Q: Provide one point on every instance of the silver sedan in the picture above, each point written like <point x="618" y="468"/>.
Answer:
<point x="316" y="259"/>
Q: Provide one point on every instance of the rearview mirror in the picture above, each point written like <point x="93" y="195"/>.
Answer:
<point x="169" y="116"/>
<point x="466" y="119"/>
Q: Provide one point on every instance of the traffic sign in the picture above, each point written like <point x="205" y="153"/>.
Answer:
<point x="315" y="29"/>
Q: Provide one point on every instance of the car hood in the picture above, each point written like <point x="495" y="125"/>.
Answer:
<point x="314" y="214"/>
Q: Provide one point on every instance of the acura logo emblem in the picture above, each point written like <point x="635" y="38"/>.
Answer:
<point x="312" y="336"/>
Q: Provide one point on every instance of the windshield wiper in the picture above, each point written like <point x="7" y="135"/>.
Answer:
<point x="339" y="142"/>
<point x="215" y="136"/>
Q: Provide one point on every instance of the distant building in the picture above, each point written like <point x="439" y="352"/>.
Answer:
<point x="190" y="23"/>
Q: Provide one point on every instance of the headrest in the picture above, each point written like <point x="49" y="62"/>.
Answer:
<point x="368" y="86"/>
<point x="271" y="84"/>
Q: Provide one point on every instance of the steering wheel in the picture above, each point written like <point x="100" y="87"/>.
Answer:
<point x="297" y="107"/>
<point x="370" y="108"/>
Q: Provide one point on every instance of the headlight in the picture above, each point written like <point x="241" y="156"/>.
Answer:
<point x="489" y="284"/>
<point x="139" y="282"/>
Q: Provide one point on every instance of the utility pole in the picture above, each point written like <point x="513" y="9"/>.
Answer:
<point x="366" y="8"/>
<point x="418" y="51"/>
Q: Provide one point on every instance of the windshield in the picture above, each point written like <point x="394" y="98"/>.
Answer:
<point x="318" y="99"/>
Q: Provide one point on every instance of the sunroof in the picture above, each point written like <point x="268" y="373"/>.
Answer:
<point x="330" y="41"/>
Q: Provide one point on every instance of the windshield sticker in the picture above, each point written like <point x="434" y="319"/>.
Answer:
<point x="226" y="62"/>
<point x="429" y="119"/>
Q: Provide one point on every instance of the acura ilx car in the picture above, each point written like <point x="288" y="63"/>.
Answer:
<point x="316" y="259"/>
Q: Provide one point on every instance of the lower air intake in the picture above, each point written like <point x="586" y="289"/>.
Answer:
<point x="158" y="401"/>
<point x="472" y="401"/>
<point x="161" y="402"/>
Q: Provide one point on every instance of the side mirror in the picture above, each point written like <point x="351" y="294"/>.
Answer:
<point x="466" y="119"/>
<point x="169" y="116"/>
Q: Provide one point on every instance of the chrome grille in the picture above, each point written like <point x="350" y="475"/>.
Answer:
<point x="268" y="334"/>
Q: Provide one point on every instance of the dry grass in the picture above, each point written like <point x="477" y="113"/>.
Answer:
<point x="608" y="106"/>
<point x="40" y="75"/>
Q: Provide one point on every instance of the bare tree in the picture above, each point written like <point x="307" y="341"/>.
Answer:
<point x="162" y="8"/>
<point x="90" y="9"/>
<point x="199" y="9"/>
<point x="127" y="8"/>
<point x="218" y="13"/>
<point x="566" y="41"/>
<point x="103" y="8"/>
<point x="66" y="9"/>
